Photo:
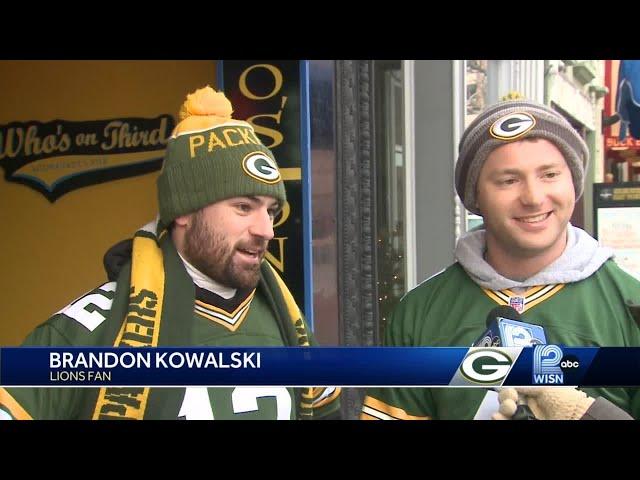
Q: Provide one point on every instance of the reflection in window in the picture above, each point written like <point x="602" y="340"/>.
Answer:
<point x="390" y="187"/>
<point x="476" y="87"/>
<point x="323" y="177"/>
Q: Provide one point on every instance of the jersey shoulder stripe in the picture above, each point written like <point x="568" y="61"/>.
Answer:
<point x="374" y="409"/>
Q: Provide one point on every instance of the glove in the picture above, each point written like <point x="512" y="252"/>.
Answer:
<point x="546" y="403"/>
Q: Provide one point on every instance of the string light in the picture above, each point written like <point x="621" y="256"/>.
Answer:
<point x="392" y="270"/>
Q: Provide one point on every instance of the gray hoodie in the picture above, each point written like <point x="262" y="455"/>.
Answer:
<point x="581" y="258"/>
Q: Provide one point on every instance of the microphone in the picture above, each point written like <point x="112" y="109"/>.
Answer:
<point x="505" y="329"/>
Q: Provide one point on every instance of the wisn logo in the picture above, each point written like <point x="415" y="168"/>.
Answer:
<point x="546" y="365"/>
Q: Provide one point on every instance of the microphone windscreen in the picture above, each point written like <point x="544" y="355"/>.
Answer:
<point x="504" y="311"/>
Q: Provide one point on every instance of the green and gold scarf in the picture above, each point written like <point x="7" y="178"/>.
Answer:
<point x="158" y="312"/>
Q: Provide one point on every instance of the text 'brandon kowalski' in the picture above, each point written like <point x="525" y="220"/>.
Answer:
<point x="154" y="359"/>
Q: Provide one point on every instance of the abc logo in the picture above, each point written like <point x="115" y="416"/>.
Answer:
<point x="485" y="366"/>
<point x="569" y="362"/>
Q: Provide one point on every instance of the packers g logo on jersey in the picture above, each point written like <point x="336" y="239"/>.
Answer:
<point x="512" y="126"/>
<point x="260" y="166"/>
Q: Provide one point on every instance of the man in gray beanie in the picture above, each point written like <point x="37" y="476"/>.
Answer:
<point x="508" y="122"/>
<point x="195" y="277"/>
<point x="521" y="167"/>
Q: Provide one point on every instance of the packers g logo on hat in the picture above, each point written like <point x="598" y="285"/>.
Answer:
<point x="260" y="166"/>
<point x="512" y="126"/>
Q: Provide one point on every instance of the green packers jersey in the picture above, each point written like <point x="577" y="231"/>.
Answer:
<point x="244" y="321"/>
<point x="248" y="322"/>
<point x="450" y="309"/>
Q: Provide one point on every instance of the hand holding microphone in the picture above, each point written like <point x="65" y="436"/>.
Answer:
<point x="505" y="328"/>
<point x="546" y="403"/>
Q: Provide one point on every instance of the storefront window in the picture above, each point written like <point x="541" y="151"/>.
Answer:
<point x="390" y="187"/>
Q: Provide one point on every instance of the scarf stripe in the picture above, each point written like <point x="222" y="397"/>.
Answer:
<point x="141" y="326"/>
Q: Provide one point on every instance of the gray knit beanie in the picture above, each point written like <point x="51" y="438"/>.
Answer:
<point x="510" y="121"/>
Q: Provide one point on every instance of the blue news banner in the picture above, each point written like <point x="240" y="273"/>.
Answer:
<point x="321" y="366"/>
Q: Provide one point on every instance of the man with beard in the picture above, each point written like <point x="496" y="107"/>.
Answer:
<point x="196" y="276"/>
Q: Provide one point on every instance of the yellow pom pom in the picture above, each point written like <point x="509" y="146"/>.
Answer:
<point x="206" y="101"/>
<point x="513" y="95"/>
<point x="202" y="109"/>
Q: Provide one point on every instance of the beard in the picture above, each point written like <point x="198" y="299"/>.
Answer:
<point x="209" y="251"/>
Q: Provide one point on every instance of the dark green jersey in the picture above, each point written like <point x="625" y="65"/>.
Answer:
<point x="252" y="324"/>
<point x="246" y="321"/>
<point x="450" y="310"/>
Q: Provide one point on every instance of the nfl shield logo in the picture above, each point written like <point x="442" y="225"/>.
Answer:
<point x="517" y="303"/>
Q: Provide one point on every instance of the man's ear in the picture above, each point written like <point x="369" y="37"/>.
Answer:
<point x="183" y="220"/>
